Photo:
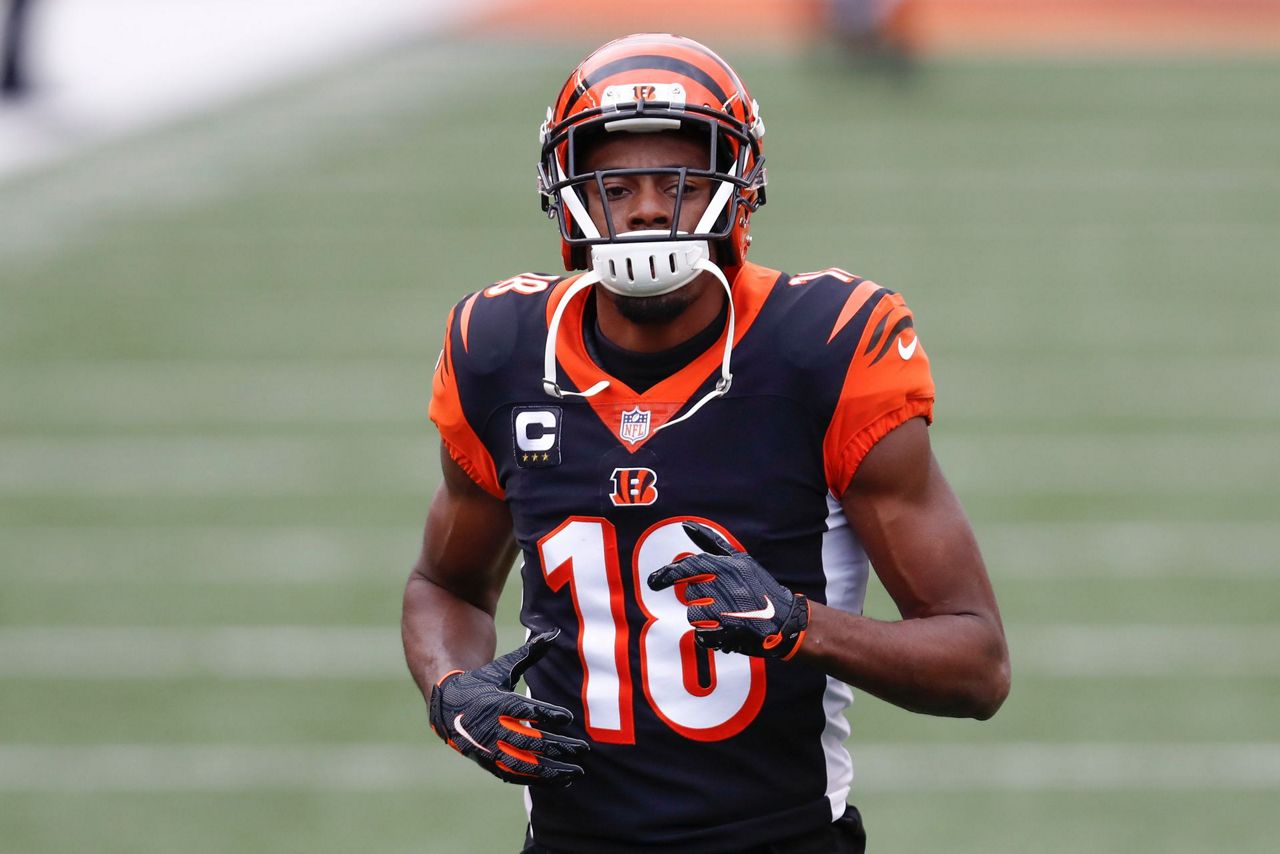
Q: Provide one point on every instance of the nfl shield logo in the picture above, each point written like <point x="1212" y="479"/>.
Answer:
<point x="635" y="425"/>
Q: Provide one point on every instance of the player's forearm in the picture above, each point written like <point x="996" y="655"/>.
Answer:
<point x="955" y="665"/>
<point x="442" y="632"/>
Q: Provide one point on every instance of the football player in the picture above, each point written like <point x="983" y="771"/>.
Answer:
<point x="697" y="459"/>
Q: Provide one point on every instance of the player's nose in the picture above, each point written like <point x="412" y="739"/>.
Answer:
<point x="651" y="208"/>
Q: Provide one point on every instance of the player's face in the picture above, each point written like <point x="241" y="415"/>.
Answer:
<point x="645" y="202"/>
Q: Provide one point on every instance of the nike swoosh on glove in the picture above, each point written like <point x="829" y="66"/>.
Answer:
<point x="734" y="603"/>
<point x="478" y="714"/>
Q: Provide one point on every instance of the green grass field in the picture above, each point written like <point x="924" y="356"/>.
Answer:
<point x="215" y="355"/>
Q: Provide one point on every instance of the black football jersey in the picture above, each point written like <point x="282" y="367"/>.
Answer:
<point x="692" y="750"/>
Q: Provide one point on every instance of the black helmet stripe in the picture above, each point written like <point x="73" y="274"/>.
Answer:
<point x="713" y="56"/>
<point x="690" y="44"/>
<point x="631" y="63"/>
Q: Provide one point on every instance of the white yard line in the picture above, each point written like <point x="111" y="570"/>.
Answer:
<point x="306" y="554"/>
<point x="1089" y="767"/>
<point x="1111" y="384"/>
<point x="997" y="230"/>
<point x="204" y="466"/>
<point x="1033" y="766"/>
<point x="206" y="555"/>
<point x="200" y="393"/>
<point x="1132" y="549"/>
<point x="1090" y="178"/>
<point x="268" y="391"/>
<point x="189" y="768"/>
<point x="1010" y="463"/>
<point x="1076" y="464"/>
<point x="1146" y="651"/>
<point x="276" y="652"/>
<point x="355" y="653"/>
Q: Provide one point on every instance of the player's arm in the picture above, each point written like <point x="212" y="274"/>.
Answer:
<point x="450" y="639"/>
<point x="947" y="656"/>
<point x="452" y="594"/>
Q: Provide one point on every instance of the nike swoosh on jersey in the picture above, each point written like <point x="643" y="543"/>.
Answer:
<point x="764" y="613"/>
<point x="457" y="724"/>
<point x="908" y="351"/>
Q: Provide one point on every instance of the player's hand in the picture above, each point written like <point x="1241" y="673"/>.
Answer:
<point x="734" y="603"/>
<point x="478" y="714"/>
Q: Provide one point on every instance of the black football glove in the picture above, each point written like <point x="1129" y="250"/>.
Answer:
<point x="478" y="714"/>
<point x="734" y="603"/>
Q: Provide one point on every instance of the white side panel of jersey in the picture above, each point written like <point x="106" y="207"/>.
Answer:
<point x="528" y="633"/>
<point x="844" y="562"/>
<point x="835" y="700"/>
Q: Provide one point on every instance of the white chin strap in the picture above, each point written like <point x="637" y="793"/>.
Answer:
<point x="696" y="265"/>
<point x="549" y="384"/>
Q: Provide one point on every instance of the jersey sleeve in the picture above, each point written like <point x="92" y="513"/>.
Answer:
<point x="887" y="383"/>
<point x="460" y="438"/>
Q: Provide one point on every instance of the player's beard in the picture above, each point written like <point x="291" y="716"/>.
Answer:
<point x="655" y="311"/>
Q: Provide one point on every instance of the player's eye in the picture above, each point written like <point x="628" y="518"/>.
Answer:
<point x="691" y="189"/>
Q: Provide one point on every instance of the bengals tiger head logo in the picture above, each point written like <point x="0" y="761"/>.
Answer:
<point x="634" y="487"/>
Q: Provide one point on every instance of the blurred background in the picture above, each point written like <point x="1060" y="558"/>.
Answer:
<point x="229" y="234"/>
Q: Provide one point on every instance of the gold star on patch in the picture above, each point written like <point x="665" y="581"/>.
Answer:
<point x="524" y="458"/>
<point x="546" y="457"/>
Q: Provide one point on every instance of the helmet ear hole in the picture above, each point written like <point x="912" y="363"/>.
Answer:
<point x="724" y="157"/>
<point x="584" y="141"/>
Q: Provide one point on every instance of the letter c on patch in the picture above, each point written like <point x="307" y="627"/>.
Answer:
<point x="535" y="430"/>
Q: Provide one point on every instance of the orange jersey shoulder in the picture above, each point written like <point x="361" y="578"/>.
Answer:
<point x="887" y="380"/>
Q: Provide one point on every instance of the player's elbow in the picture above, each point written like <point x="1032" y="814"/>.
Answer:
<point x="992" y="696"/>
<point x="991" y="688"/>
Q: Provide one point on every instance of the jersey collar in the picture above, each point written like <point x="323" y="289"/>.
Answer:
<point x="649" y="410"/>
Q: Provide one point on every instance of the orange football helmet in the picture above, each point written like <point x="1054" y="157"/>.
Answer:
<point x="645" y="83"/>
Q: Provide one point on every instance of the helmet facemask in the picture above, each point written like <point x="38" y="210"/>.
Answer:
<point x="652" y="261"/>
